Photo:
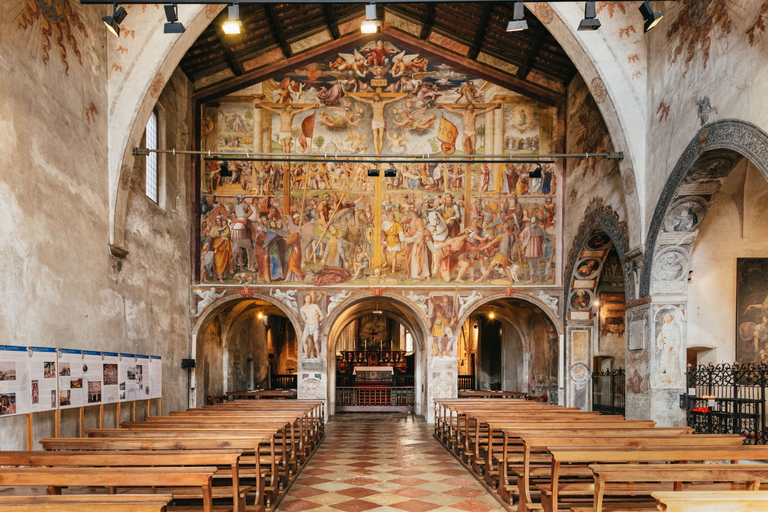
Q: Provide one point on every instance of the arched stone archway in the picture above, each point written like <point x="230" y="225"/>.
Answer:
<point x="401" y="308"/>
<point x="233" y="304"/>
<point x="548" y="305"/>
<point x="657" y="322"/>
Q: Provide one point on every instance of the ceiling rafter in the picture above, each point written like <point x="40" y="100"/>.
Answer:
<point x="232" y="61"/>
<point x="429" y="20"/>
<point x="277" y="32"/>
<point x="330" y="20"/>
<point x="526" y="66"/>
<point x="482" y="28"/>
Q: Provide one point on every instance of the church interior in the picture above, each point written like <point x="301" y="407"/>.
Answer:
<point x="398" y="255"/>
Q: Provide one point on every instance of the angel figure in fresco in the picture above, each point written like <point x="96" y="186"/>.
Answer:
<point x="352" y="62"/>
<point x="397" y="140"/>
<point x="337" y="117"/>
<point x="377" y="54"/>
<point x="287" y="114"/>
<point x="288" y="91"/>
<point x="402" y="63"/>
<point x="355" y="140"/>
<point x="416" y="121"/>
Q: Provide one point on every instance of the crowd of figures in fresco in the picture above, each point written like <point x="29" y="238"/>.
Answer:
<point x="378" y="99"/>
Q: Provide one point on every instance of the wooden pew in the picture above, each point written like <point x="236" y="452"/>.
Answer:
<point x="86" y="503"/>
<point x="247" y="445"/>
<point x="537" y="442"/>
<point x="713" y="501"/>
<point x="56" y="478"/>
<point x="158" y="458"/>
<point x="551" y="492"/>
<point x="612" y="478"/>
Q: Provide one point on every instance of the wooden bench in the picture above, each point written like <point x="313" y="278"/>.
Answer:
<point x="717" y="501"/>
<point x="550" y="493"/>
<point x="86" y="503"/>
<point x="610" y="477"/>
<point x="56" y="478"/>
<point x="229" y="459"/>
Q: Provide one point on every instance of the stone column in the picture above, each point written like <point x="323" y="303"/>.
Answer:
<point x="579" y="341"/>
<point x="656" y="357"/>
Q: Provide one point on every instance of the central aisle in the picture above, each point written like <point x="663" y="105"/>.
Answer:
<point x="384" y="462"/>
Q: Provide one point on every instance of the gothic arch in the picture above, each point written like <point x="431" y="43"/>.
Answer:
<point x="695" y="180"/>
<point x="599" y="219"/>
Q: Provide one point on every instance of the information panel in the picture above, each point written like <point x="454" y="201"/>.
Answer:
<point x="42" y="379"/>
<point x="71" y="392"/>
<point x="110" y="383"/>
<point x="93" y="374"/>
<point x="14" y="380"/>
<point x="155" y="377"/>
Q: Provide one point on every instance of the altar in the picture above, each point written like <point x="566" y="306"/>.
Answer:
<point x="373" y="375"/>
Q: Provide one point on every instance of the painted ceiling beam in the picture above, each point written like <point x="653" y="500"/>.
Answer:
<point x="277" y="32"/>
<point x="526" y="66"/>
<point x="482" y="28"/>
<point x="229" y="56"/>
<point x="330" y="20"/>
<point x="429" y="19"/>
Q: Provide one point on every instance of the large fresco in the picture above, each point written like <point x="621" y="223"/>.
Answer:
<point x="426" y="224"/>
<point x="751" y="310"/>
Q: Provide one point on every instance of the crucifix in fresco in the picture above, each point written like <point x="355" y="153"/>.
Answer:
<point x="377" y="102"/>
<point x="287" y="113"/>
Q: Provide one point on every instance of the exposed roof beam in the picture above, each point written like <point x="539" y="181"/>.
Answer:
<point x="525" y="68"/>
<point x="482" y="28"/>
<point x="258" y="75"/>
<point x="330" y="20"/>
<point x="229" y="56"/>
<point x="429" y="19"/>
<point x="274" y="24"/>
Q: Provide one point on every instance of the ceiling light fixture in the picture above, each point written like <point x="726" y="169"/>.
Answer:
<point x="651" y="17"/>
<point x="371" y="24"/>
<point x="518" y="22"/>
<point x="172" y="16"/>
<point x="233" y="25"/>
<point x="373" y="173"/>
<point x="113" y="22"/>
<point x="590" y="21"/>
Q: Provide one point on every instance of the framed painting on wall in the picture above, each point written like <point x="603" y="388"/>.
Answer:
<point x="751" y="309"/>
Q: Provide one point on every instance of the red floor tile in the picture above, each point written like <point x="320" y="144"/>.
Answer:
<point x="473" y="506"/>
<point x="306" y="492"/>
<point x="412" y="492"/>
<point x="357" y="492"/>
<point x="410" y="482"/>
<point x="312" y="480"/>
<point x="360" y="481"/>
<point x="415" y="506"/>
<point x="355" y="505"/>
<point x="465" y="492"/>
<point x="298" y="506"/>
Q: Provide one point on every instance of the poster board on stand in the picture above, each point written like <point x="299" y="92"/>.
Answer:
<point x="43" y="379"/>
<point x="14" y="380"/>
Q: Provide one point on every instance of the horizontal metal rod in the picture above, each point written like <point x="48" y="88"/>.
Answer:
<point x="335" y="157"/>
<point x="242" y="2"/>
<point x="364" y="161"/>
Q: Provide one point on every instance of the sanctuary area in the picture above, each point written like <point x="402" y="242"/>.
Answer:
<point x="363" y="255"/>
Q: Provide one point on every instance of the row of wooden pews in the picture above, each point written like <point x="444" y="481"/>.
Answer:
<point x="537" y="456"/>
<point x="234" y="456"/>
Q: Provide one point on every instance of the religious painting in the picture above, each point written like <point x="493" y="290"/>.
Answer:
<point x="235" y="127"/>
<point x="581" y="300"/>
<point x="588" y="268"/>
<point x="751" y="310"/>
<point x="599" y="241"/>
<point x="311" y="316"/>
<point x="443" y="314"/>
<point x="435" y="222"/>
<point x="611" y="318"/>
<point x="669" y="349"/>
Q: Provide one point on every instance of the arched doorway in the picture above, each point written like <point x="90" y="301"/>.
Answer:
<point x="510" y="344"/>
<point x="242" y="344"/>
<point x="376" y="342"/>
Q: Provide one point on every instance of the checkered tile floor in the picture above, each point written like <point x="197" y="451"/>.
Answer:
<point x="384" y="462"/>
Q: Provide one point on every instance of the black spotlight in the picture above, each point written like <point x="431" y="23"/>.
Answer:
<point x="373" y="173"/>
<point x="390" y="173"/>
<point x="651" y="17"/>
<point x="172" y="16"/>
<point x="113" y="22"/>
<point x="536" y="173"/>
<point x="590" y="21"/>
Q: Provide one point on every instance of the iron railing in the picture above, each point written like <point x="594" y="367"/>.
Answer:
<point x="283" y="381"/>
<point x="375" y="396"/>
<point x="466" y="382"/>
<point x="608" y="392"/>
<point x="728" y="399"/>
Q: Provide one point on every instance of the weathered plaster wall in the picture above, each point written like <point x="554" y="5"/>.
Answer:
<point x="62" y="286"/>
<point x="738" y="215"/>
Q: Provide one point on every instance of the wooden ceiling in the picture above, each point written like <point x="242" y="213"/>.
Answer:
<point x="474" y="31"/>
